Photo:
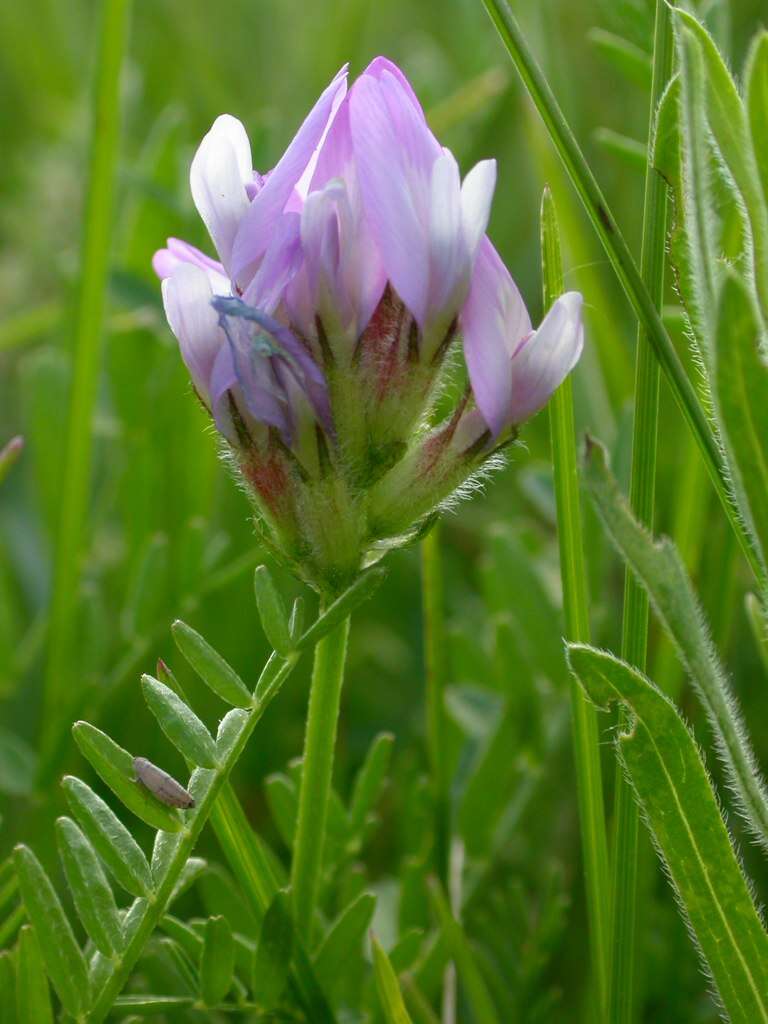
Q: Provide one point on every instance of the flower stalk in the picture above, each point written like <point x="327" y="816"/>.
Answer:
<point x="316" y="774"/>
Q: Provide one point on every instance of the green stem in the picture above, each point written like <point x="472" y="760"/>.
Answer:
<point x="61" y="672"/>
<point x="586" y="740"/>
<point x="433" y="612"/>
<point x="621" y="260"/>
<point x="642" y="488"/>
<point x="317" y="770"/>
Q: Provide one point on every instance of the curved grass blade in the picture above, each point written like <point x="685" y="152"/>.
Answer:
<point x="757" y="104"/>
<point x="742" y="399"/>
<point x="115" y="766"/>
<point x="620" y="257"/>
<point x="728" y="120"/>
<point x="90" y="889"/>
<point x="387" y="986"/>
<point x="666" y="770"/>
<point x="478" y="996"/>
<point x="210" y="666"/>
<point x="33" y="997"/>
<point x="179" y="723"/>
<point x="110" y="838"/>
<point x="659" y="569"/>
<point x="63" y="958"/>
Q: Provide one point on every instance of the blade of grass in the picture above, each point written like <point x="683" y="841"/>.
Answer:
<point x="620" y="258"/>
<point x="642" y="490"/>
<point x="88" y="343"/>
<point x="433" y="612"/>
<point x="576" y="606"/>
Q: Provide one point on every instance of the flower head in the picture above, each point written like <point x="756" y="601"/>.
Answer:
<point x="346" y="278"/>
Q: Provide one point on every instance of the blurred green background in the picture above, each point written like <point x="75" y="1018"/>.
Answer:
<point x="168" y="534"/>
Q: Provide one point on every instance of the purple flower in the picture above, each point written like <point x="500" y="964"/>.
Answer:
<point x="317" y="339"/>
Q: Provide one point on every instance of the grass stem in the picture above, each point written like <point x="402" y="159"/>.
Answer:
<point x="61" y="671"/>
<point x="642" y="489"/>
<point x="576" y="606"/>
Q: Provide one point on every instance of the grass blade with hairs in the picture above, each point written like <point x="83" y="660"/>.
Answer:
<point x="658" y="568"/>
<point x="681" y="809"/>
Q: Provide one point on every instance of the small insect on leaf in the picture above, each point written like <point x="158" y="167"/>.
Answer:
<point x="161" y="784"/>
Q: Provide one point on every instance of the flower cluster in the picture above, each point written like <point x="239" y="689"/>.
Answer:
<point x="348" y="276"/>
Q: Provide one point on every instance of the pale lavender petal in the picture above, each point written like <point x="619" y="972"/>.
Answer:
<point x="380" y="66"/>
<point x="395" y="152"/>
<point x="476" y="197"/>
<point x="493" y="320"/>
<point x="166" y="261"/>
<point x="281" y="262"/>
<point x="449" y="265"/>
<point x="187" y="298"/>
<point x="269" y="203"/>
<point x="224" y="383"/>
<point x="546" y="358"/>
<point x="221" y="170"/>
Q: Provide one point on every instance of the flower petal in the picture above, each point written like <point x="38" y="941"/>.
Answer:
<point x="281" y="262"/>
<point x="546" y="358"/>
<point x="395" y="153"/>
<point x="187" y="298"/>
<point x="494" y="320"/>
<point x="297" y="161"/>
<point x="221" y="170"/>
<point x="166" y="261"/>
<point x="476" y="197"/>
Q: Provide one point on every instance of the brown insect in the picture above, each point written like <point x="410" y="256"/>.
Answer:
<point x="161" y="784"/>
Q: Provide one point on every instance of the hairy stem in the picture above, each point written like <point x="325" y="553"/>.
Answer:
<point x="317" y="771"/>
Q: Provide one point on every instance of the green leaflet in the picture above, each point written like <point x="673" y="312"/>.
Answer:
<point x="741" y="390"/>
<point x="217" y="963"/>
<point x="111" y="839"/>
<point x="342" y="607"/>
<point x="179" y="723"/>
<point x="33" y="999"/>
<point x="115" y="766"/>
<point x="90" y="889"/>
<point x="342" y="946"/>
<point x="272" y="612"/>
<point x="63" y="958"/>
<point x="681" y="809"/>
<point x="658" y="567"/>
<point x="210" y="666"/>
<point x="387" y="986"/>
<point x="274" y="951"/>
<point x="370" y="780"/>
